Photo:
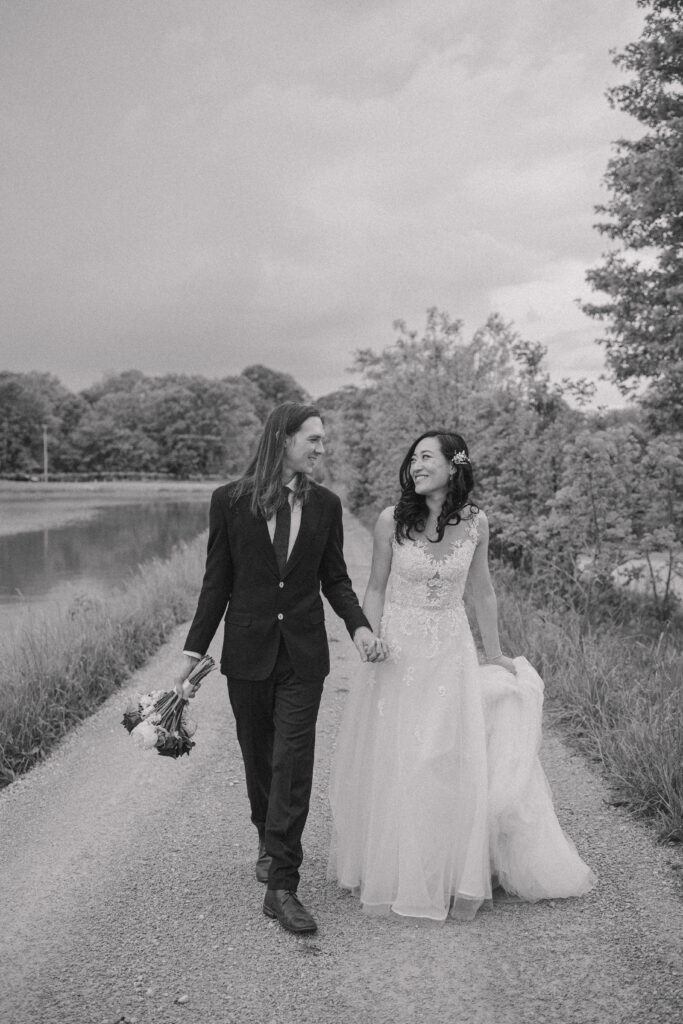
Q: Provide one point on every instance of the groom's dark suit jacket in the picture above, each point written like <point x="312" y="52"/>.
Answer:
<point x="262" y="605"/>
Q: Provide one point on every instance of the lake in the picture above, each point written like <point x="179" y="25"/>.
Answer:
<point x="52" y="565"/>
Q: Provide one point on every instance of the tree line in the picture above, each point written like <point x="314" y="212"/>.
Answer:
<point x="131" y="424"/>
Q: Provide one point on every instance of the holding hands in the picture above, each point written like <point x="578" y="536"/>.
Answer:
<point x="370" y="647"/>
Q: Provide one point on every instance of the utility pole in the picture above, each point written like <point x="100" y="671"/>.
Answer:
<point x="44" y="453"/>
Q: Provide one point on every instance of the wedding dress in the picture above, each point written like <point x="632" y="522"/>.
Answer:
<point x="436" y="786"/>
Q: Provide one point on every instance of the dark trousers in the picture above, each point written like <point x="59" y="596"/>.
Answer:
<point x="276" y="719"/>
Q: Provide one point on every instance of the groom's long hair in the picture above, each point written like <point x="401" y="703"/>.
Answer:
<point x="411" y="510"/>
<point x="262" y="480"/>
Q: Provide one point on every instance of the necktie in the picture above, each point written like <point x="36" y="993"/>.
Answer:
<point x="282" y="524"/>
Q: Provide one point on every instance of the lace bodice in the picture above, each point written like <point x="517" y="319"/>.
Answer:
<point x="424" y="603"/>
<point x="421" y="579"/>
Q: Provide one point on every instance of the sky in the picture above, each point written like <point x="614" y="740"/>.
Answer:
<point x="197" y="187"/>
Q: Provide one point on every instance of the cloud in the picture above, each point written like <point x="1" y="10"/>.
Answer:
<point x="547" y="310"/>
<point x="278" y="182"/>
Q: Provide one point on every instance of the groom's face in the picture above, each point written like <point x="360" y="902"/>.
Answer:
<point x="304" y="449"/>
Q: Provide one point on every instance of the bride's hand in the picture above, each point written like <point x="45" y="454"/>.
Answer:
<point x="370" y="647"/>
<point x="381" y="650"/>
<point x="506" y="663"/>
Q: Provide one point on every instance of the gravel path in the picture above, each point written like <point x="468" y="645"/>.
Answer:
<point x="126" y="884"/>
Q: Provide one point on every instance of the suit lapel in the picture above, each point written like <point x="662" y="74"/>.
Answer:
<point x="258" y="539"/>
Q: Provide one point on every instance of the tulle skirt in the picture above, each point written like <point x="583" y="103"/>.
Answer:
<point x="437" y="791"/>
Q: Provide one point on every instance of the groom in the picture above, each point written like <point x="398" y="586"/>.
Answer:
<point x="275" y="540"/>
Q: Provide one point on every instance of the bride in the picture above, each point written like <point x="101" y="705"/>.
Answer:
<point x="437" y="792"/>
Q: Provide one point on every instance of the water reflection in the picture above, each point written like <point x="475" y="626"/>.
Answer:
<point x="103" y="551"/>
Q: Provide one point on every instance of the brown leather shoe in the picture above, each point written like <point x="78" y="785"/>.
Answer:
<point x="262" y="863"/>
<point x="289" y="911"/>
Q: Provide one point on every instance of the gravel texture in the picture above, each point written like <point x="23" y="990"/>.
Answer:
<point x="127" y="894"/>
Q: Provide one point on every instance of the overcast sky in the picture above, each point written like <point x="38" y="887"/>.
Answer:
<point x="197" y="185"/>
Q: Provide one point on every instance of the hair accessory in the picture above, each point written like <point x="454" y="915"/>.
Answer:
<point x="460" y="459"/>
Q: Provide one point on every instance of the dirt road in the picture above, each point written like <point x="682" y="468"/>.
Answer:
<point x="126" y="885"/>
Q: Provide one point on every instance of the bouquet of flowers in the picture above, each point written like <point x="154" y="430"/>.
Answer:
<point x="160" y="719"/>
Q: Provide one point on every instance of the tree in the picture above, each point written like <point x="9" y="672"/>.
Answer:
<point x="28" y="401"/>
<point x="108" y="442"/>
<point x="615" y="517"/>
<point x="202" y="426"/>
<point x="113" y="383"/>
<point x="273" y="388"/>
<point x="65" y="456"/>
<point x="492" y="389"/>
<point x="643" y="279"/>
<point x="350" y="443"/>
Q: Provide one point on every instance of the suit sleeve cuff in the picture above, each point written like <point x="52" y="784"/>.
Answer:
<point x="357" y="620"/>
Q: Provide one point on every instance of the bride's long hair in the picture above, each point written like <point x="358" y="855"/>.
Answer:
<point x="262" y="480"/>
<point x="411" y="511"/>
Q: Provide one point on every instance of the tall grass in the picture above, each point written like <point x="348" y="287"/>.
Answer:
<point x="617" y="687"/>
<point x="62" y="665"/>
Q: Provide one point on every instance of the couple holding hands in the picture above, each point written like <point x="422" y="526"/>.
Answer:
<point x="437" y="792"/>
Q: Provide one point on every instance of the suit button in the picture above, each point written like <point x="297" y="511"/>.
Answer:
<point x="280" y="616"/>
<point x="280" y="584"/>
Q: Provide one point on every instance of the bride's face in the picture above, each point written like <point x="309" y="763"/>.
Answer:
<point x="429" y="467"/>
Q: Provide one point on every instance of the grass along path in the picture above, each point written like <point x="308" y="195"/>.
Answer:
<point x="618" y="697"/>
<point x="62" y="664"/>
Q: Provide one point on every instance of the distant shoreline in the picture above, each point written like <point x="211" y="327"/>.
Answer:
<point x="28" y="506"/>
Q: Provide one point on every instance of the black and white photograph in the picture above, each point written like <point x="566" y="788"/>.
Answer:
<point x="341" y="468"/>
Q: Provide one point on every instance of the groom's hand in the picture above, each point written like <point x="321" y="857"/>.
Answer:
<point x="181" y="686"/>
<point x="364" y="639"/>
<point x="381" y="649"/>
